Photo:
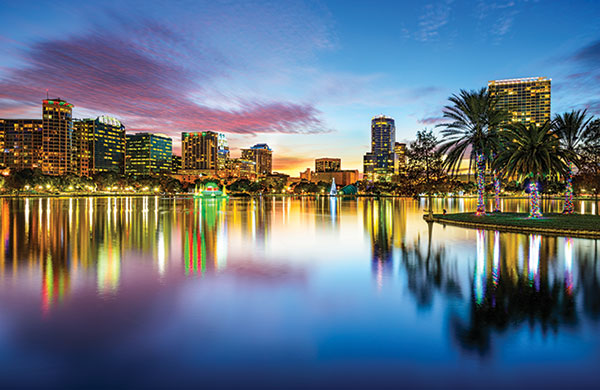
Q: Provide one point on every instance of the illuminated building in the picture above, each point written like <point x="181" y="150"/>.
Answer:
<point x="175" y="164"/>
<point x="342" y="178"/>
<point x="379" y="162"/>
<point x="21" y="143"/>
<point x="400" y="162"/>
<point x="262" y="156"/>
<point x="148" y="154"/>
<point x="527" y="100"/>
<point x="222" y="153"/>
<point x="83" y="130"/>
<point x="98" y="146"/>
<point x="57" y="137"/>
<point x="200" y="152"/>
<point x="240" y="168"/>
<point x="328" y="164"/>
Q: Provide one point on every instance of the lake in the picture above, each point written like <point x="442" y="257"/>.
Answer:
<point x="289" y="292"/>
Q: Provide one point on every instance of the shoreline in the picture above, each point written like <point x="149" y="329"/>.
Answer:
<point x="519" y="223"/>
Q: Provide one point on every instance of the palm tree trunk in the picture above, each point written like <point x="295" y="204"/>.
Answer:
<point x="534" y="200"/>
<point x="568" y="208"/>
<point x="480" y="184"/>
<point x="496" y="192"/>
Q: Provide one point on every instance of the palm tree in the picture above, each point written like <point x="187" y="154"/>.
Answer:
<point x="532" y="152"/>
<point x="473" y="129"/>
<point x="571" y="127"/>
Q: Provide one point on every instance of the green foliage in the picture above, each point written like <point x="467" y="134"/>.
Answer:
<point x="473" y="127"/>
<point x="532" y="150"/>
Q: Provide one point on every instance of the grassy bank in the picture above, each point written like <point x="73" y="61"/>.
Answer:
<point x="554" y="224"/>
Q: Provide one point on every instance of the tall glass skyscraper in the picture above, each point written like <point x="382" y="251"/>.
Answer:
<point x="262" y="156"/>
<point x="148" y="154"/>
<point x="379" y="162"/>
<point x="527" y="100"/>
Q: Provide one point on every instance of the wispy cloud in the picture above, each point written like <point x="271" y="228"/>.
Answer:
<point x="432" y="20"/>
<point x="154" y="76"/>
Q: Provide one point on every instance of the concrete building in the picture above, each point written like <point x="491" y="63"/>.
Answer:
<point x="148" y="154"/>
<point x="21" y="143"/>
<point x="527" y="100"/>
<point x="262" y="156"/>
<point x="57" y="137"/>
<point x="326" y="164"/>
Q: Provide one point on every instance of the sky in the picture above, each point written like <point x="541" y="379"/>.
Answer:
<point x="304" y="77"/>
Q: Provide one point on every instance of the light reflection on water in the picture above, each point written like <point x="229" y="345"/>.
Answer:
<point x="307" y="291"/>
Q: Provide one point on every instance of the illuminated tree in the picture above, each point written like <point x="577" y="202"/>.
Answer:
<point x="473" y="131"/>
<point x="531" y="152"/>
<point x="571" y="127"/>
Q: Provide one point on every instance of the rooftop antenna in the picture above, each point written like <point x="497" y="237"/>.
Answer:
<point x="47" y="93"/>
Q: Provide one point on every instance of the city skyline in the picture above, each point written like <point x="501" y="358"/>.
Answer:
<point x="308" y="86"/>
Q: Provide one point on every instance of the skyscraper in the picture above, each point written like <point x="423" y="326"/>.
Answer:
<point x="148" y="154"/>
<point x="262" y="156"/>
<point x="200" y="152"/>
<point x="400" y="151"/>
<point x="21" y="143"/>
<point x="57" y="137"/>
<point x="527" y="100"/>
<point x="328" y="164"/>
<point x="379" y="162"/>
<point x="98" y="145"/>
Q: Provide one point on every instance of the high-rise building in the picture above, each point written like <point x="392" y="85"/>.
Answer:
<point x="400" y="151"/>
<point x="148" y="154"/>
<point x="83" y="130"/>
<point x="328" y="164"/>
<point x="200" y="152"/>
<point x="240" y="168"/>
<point x="380" y="161"/>
<point x="527" y="100"/>
<point x="98" y="146"/>
<point x="222" y="153"/>
<point x="175" y="164"/>
<point x="57" y="137"/>
<point x="21" y="143"/>
<point x="262" y="156"/>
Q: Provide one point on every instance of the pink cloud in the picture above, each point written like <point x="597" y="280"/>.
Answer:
<point x="146" y="85"/>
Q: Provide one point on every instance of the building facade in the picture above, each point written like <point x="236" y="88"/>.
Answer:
<point x="98" y="146"/>
<point x="148" y="154"/>
<point x="527" y="100"/>
<point x="21" y="143"/>
<point x="326" y="164"/>
<point x="379" y="163"/>
<point x="175" y="164"/>
<point x="342" y="178"/>
<point x="240" y="168"/>
<point x="262" y="156"/>
<point x="400" y="162"/>
<point x="200" y="152"/>
<point x="57" y="137"/>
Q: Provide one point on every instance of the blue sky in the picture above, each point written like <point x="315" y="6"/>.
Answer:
<point x="305" y="77"/>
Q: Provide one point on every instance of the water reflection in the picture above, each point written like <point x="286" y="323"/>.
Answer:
<point x="300" y="272"/>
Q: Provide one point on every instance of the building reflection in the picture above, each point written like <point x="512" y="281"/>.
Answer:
<point x="53" y="240"/>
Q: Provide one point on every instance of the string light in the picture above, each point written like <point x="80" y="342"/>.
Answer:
<point x="534" y="197"/>
<point x="480" y="184"/>
<point x="569" y="208"/>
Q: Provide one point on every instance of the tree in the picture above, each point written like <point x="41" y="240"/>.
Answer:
<point x="424" y="167"/>
<point x="589" y="168"/>
<point x="473" y="130"/>
<point x="571" y="127"/>
<point x="531" y="152"/>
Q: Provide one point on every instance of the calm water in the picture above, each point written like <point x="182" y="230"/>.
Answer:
<point x="288" y="292"/>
